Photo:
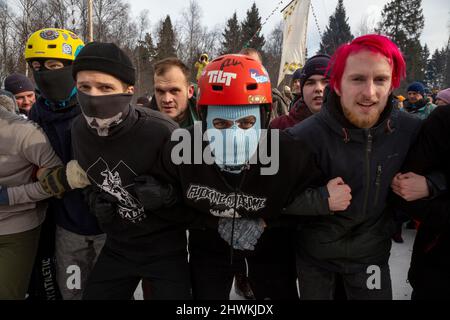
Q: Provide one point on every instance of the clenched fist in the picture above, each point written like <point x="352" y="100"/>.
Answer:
<point x="410" y="186"/>
<point x="340" y="194"/>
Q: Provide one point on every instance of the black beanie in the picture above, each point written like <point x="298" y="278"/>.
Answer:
<point x="107" y="58"/>
<point x="317" y="64"/>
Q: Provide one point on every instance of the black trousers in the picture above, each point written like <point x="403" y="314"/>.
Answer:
<point x="430" y="282"/>
<point x="317" y="283"/>
<point x="116" y="277"/>
<point x="43" y="284"/>
<point x="271" y="267"/>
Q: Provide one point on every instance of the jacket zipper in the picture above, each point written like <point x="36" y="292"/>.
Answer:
<point x="377" y="184"/>
<point x="368" y="152"/>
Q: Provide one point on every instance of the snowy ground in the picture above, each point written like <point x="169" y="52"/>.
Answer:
<point x="399" y="265"/>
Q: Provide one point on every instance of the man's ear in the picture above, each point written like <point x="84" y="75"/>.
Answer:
<point x="130" y="89"/>
<point x="190" y="91"/>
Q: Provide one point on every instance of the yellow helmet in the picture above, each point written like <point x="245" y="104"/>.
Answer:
<point x="52" y="43"/>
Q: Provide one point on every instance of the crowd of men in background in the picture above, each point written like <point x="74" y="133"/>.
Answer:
<point x="87" y="180"/>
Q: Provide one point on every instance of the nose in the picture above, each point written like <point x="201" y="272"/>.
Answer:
<point x="29" y="100"/>
<point x="369" y="89"/>
<point x="320" y="87"/>
<point x="166" y="97"/>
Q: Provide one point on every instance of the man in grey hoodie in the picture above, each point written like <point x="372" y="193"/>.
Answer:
<point x="24" y="147"/>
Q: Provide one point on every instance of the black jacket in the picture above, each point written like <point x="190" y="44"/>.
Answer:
<point x="431" y="152"/>
<point x="71" y="212"/>
<point x="210" y="193"/>
<point x="112" y="163"/>
<point x="367" y="160"/>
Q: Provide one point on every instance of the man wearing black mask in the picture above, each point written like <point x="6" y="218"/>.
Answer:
<point x="50" y="53"/>
<point x="114" y="143"/>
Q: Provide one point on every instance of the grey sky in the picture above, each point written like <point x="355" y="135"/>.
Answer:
<point x="216" y="13"/>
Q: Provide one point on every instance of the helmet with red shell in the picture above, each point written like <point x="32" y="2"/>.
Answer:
<point x="234" y="80"/>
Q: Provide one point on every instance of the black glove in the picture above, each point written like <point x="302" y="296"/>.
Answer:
<point x="103" y="206"/>
<point x="154" y="195"/>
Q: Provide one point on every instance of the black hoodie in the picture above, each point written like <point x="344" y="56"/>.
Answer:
<point x="112" y="162"/>
<point x="211" y="193"/>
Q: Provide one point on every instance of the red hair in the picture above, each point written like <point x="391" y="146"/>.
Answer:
<point x="371" y="42"/>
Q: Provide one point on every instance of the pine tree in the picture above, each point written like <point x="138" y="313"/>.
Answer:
<point x="231" y="36"/>
<point x="447" y="67"/>
<point x="424" y="61"/>
<point x="144" y="54"/>
<point x="403" y="22"/>
<point x="166" y="44"/>
<point x="430" y="72"/>
<point x="337" y="32"/>
<point x="251" y="30"/>
<point x="436" y="71"/>
<point x="272" y="51"/>
<point x="414" y="64"/>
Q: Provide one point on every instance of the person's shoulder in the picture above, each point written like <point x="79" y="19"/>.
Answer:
<point x="439" y="116"/>
<point x="404" y="117"/>
<point x="290" y="145"/>
<point x="156" y="118"/>
<point x="78" y="122"/>
<point x="19" y="127"/>
<point x="307" y="127"/>
<point x="278" y="122"/>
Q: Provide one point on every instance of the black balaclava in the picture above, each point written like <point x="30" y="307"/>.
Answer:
<point x="104" y="112"/>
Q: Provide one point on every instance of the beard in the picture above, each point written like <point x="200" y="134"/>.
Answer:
<point x="361" y="120"/>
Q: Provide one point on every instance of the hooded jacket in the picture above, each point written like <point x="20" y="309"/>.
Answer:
<point x="23" y="145"/>
<point x="431" y="249"/>
<point x="112" y="163"/>
<point x="71" y="212"/>
<point x="298" y="113"/>
<point x="422" y="109"/>
<point x="210" y="193"/>
<point x="367" y="160"/>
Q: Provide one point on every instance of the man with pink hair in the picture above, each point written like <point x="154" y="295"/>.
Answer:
<point x="359" y="141"/>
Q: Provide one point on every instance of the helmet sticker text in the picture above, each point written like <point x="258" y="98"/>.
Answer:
<point x="218" y="76"/>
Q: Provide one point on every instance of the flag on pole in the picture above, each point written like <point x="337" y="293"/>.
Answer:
<point x="295" y="16"/>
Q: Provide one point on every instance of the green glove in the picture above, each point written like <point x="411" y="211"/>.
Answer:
<point x="58" y="180"/>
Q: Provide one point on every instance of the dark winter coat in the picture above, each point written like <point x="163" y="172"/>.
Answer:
<point x="211" y="193"/>
<point x="367" y="160"/>
<point x="430" y="262"/>
<point x="298" y="113"/>
<point x="112" y="163"/>
<point x="71" y="212"/>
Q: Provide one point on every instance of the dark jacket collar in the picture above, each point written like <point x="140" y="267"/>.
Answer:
<point x="412" y="108"/>
<point x="300" y="111"/>
<point x="44" y="112"/>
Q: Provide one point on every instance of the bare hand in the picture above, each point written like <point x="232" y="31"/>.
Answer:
<point x="410" y="186"/>
<point x="340" y="194"/>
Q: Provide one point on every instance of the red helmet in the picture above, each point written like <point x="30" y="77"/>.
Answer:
<point x="234" y="79"/>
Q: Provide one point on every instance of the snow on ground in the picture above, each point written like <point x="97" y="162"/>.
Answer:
<point x="398" y="263"/>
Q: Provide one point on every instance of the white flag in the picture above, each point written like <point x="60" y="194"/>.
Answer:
<point x="295" y="16"/>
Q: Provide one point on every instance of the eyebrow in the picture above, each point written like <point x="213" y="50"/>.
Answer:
<point x="364" y="75"/>
<point x="167" y="89"/>
<point x="96" y="83"/>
